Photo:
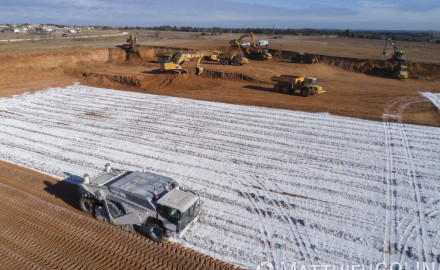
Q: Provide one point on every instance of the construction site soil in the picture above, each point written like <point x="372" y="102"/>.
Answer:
<point x="41" y="221"/>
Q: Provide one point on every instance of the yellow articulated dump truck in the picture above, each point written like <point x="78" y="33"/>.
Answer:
<point x="289" y="84"/>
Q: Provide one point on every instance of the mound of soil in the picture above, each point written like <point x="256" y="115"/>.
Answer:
<point x="147" y="82"/>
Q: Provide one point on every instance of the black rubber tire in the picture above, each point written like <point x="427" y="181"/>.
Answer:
<point x="285" y="89"/>
<point x="277" y="87"/>
<point x="155" y="231"/>
<point x="305" y="92"/>
<point x="86" y="205"/>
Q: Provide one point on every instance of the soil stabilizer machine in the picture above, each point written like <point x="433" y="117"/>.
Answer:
<point x="174" y="65"/>
<point x="289" y="84"/>
<point x="153" y="202"/>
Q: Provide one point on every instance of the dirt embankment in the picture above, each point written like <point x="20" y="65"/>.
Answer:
<point x="21" y="67"/>
<point x="419" y="71"/>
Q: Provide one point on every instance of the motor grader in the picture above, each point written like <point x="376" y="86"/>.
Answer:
<point x="289" y="84"/>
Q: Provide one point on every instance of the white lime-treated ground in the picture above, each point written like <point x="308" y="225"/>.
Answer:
<point x="278" y="186"/>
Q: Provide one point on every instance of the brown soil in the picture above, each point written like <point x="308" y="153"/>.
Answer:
<point x="42" y="228"/>
<point x="40" y="217"/>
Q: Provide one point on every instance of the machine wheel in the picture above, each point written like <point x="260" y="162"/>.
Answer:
<point x="285" y="89"/>
<point x="277" y="87"/>
<point x="155" y="231"/>
<point x="86" y="205"/>
<point x="305" y="92"/>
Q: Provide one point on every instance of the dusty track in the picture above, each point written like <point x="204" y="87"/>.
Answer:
<point x="42" y="228"/>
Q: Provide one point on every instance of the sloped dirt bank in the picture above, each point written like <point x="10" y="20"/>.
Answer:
<point x="22" y="67"/>
<point x="419" y="71"/>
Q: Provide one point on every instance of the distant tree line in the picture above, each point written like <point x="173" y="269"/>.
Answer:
<point x="366" y="34"/>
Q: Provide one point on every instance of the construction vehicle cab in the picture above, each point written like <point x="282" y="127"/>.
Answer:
<point x="289" y="84"/>
<point x="153" y="202"/>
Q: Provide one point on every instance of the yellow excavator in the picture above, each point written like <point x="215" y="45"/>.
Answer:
<point x="175" y="64"/>
<point x="239" y="42"/>
<point x="397" y="55"/>
<point x="132" y="44"/>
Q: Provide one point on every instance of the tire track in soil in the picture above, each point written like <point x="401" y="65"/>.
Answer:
<point x="38" y="227"/>
<point x="395" y="242"/>
<point x="294" y="231"/>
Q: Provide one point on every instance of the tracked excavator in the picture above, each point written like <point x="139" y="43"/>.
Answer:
<point x="239" y="42"/>
<point x="174" y="65"/>
<point x="400" y="70"/>
<point x="397" y="55"/>
<point x="132" y="44"/>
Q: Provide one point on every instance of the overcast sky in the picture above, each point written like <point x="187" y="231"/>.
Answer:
<point x="340" y="14"/>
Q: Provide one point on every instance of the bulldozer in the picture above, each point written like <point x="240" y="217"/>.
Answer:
<point x="214" y="56"/>
<point x="175" y="64"/>
<point x="289" y="84"/>
<point x="132" y="44"/>
<point x="239" y="42"/>
<point x="258" y="53"/>
<point x="300" y="57"/>
<point x="397" y="55"/>
<point x="232" y="59"/>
